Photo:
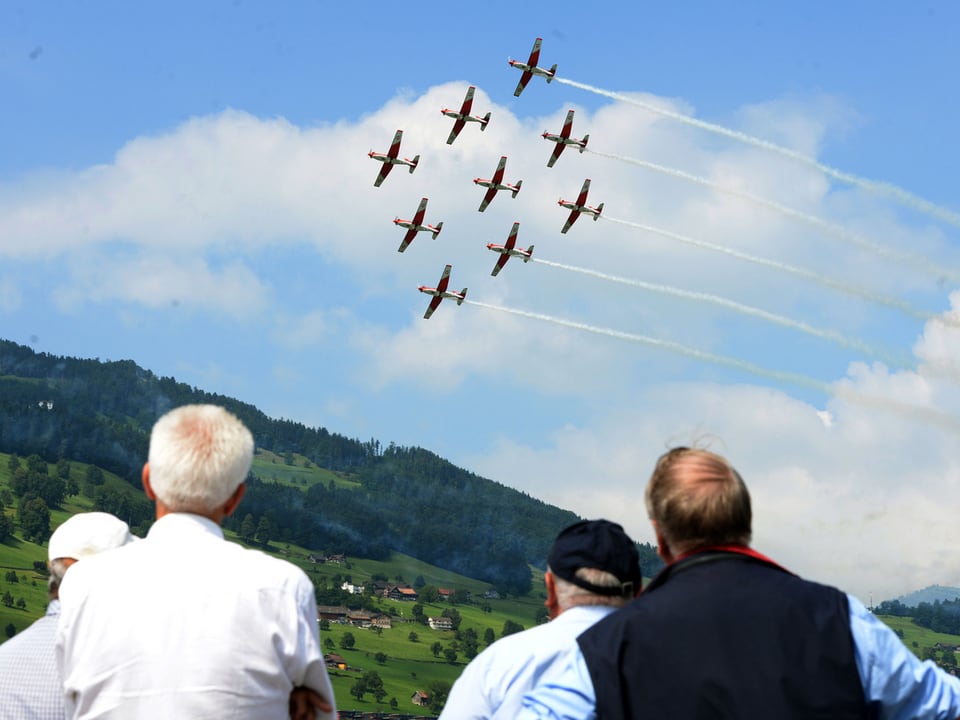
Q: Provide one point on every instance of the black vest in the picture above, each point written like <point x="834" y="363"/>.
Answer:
<point x="722" y="635"/>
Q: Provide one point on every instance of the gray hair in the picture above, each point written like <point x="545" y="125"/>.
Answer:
<point x="570" y="595"/>
<point x="199" y="455"/>
<point x="57" y="569"/>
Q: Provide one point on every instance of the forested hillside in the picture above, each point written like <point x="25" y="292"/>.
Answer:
<point x="405" y="498"/>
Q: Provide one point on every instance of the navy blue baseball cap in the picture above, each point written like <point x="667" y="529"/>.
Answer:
<point x="599" y="544"/>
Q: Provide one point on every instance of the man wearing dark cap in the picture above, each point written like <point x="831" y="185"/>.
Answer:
<point x="593" y="569"/>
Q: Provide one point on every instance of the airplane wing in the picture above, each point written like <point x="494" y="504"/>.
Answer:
<point x="434" y="304"/>
<point x="444" y="279"/>
<point x="524" y="79"/>
<point x="574" y="214"/>
<point x="512" y="239"/>
<point x="491" y="193"/>
<point x="567" y="125"/>
<point x="421" y="211"/>
<point x="467" y="101"/>
<point x="582" y="199"/>
<point x="457" y="127"/>
<point x="394" y="150"/>
<point x="407" y="239"/>
<point x="501" y="261"/>
<point x="535" y="53"/>
<point x="382" y="175"/>
<point x="555" y="154"/>
<point x="498" y="175"/>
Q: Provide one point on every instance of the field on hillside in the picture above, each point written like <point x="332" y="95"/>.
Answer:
<point x="296" y="471"/>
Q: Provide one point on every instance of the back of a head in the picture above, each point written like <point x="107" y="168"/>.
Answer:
<point x="199" y="455"/>
<point x="697" y="499"/>
<point x="595" y="563"/>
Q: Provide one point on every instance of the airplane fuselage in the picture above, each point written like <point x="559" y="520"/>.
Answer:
<point x="578" y="208"/>
<point x="534" y="69"/>
<point x="564" y="140"/>
<point x="384" y="158"/>
<point x="495" y="185"/>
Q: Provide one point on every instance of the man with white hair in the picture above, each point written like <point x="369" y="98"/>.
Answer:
<point x="185" y="624"/>
<point x="30" y="687"/>
<point x="593" y="569"/>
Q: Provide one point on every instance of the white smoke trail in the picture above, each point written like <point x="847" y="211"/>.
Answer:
<point x="873" y="186"/>
<point x="921" y="263"/>
<point x="917" y="412"/>
<point x="828" y="282"/>
<point x="830" y="335"/>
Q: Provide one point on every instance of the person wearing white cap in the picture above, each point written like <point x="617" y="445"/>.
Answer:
<point x="30" y="687"/>
<point x="185" y="624"/>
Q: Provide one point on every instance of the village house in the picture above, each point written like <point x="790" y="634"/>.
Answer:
<point x="334" y="661"/>
<point x="419" y="697"/>
<point x="440" y="623"/>
<point x="332" y="613"/>
<point x="403" y="593"/>
<point x="352" y="589"/>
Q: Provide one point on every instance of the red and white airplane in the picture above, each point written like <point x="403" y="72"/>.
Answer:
<point x="529" y="68"/>
<point x="463" y="116"/>
<point x="416" y="225"/>
<point x="509" y="249"/>
<point x="564" y="139"/>
<point x="440" y="292"/>
<point x="580" y="206"/>
<point x="391" y="158"/>
<point x="496" y="183"/>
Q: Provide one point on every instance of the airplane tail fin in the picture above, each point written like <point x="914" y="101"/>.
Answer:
<point x="437" y="231"/>
<point x="553" y="71"/>
<point x="486" y="119"/>
<point x="526" y="258"/>
<point x="599" y="210"/>
<point x="517" y="189"/>
<point x="586" y="139"/>
<point x="463" y="296"/>
<point x="416" y="161"/>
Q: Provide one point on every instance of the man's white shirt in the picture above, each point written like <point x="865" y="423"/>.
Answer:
<point x="186" y="624"/>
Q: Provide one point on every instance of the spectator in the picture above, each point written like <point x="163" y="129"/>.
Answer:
<point x="185" y="624"/>
<point x="30" y="687"/>
<point x="593" y="569"/>
<point x="724" y="632"/>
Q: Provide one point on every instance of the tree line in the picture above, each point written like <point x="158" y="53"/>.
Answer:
<point x="409" y="500"/>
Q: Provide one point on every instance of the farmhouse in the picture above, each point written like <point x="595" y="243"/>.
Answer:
<point x="403" y="593"/>
<point x="440" y="623"/>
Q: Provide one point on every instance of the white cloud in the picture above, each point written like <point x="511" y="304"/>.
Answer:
<point x="855" y="490"/>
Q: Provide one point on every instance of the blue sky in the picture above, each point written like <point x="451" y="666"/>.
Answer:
<point x="187" y="185"/>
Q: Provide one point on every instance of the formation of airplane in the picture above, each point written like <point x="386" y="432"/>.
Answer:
<point x="580" y="206"/>
<point x="529" y="68"/>
<point x="440" y="292"/>
<point x="509" y="249"/>
<point x="391" y="158"/>
<point x="564" y="139"/>
<point x="496" y="183"/>
<point x="416" y="225"/>
<point x="463" y="116"/>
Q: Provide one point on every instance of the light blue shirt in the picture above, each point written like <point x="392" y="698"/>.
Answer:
<point x="496" y="680"/>
<point x="30" y="687"/>
<point x="892" y="677"/>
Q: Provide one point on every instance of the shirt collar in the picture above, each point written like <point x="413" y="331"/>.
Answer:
<point x="54" y="607"/>
<point x="177" y="524"/>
